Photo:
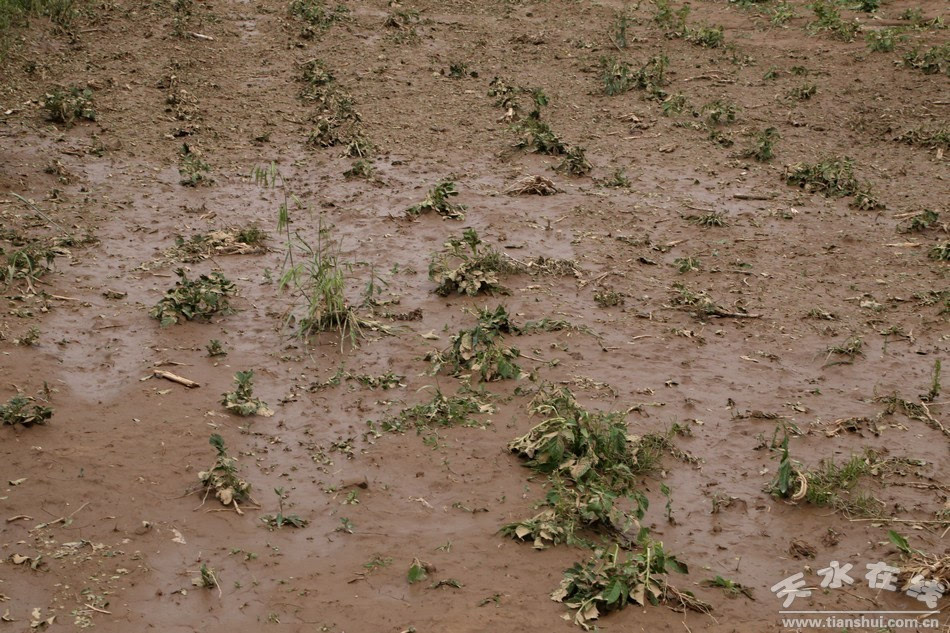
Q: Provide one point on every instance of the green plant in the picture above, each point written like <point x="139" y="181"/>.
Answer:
<point x="467" y="267"/>
<point x="832" y="177"/>
<point x="763" y="145"/>
<point x="317" y="16"/>
<point x="719" y="112"/>
<point x="314" y="272"/>
<point x="607" y="582"/>
<point x="418" y="570"/>
<point x="828" y="18"/>
<point x="850" y="349"/>
<point x="28" y="262"/>
<point x="731" y="587"/>
<point x="706" y="36"/>
<point x="24" y="410"/>
<point x="458" y="70"/>
<point x="479" y="349"/>
<point x="686" y="264"/>
<point x="932" y="138"/>
<point x="940" y="252"/>
<point x="703" y="305"/>
<point x="930" y="62"/>
<point x="883" y="40"/>
<point x="674" y="104"/>
<point x="194" y="299"/>
<point x="441" y="411"/>
<point x="437" y="199"/>
<point x="280" y="519"/>
<point x="361" y="168"/>
<point x="803" y="92"/>
<point x="207" y="578"/>
<point x="575" y="162"/>
<point x="673" y="21"/>
<point x="608" y="298"/>
<point x="215" y="348"/>
<point x="68" y="105"/>
<point x="242" y="401"/>
<point x="222" y="478"/>
<point x="192" y="169"/>
<point x="622" y="21"/>
<point x="781" y="13"/>
<point x="931" y="395"/>
<point x="617" y="76"/>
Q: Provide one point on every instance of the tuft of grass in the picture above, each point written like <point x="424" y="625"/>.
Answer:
<point x="437" y="199"/>
<point x="27" y="262"/>
<point x="66" y="106"/>
<point x="467" y="267"/>
<point x="194" y="299"/>
<point x="242" y="401"/>
<point x="710" y="219"/>
<point x="25" y="411"/>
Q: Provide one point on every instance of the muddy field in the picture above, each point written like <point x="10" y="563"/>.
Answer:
<point x="746" y="243"/>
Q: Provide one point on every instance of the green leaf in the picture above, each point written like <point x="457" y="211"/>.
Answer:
<point x="417" y="571"/>
<point x="899" y="541"/>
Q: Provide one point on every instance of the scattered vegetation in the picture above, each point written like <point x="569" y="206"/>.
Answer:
<point x="832" y="177"/>
<point x="441" y="412"/>
<point x="884" y="40"/>
<point x="930" y="62"/>
<point x="24" y="410"/>
<point x="940" y="252"/>
<point x="194" y="299"/>
<point x="317" y="16"/>
<point x="215" y="348"/>
<point x="242" y="401"/>
<point x="279" y="520"/>
<point x="828" y="19"/>
<point x="763" y="145"/>
<point x="575" y="162"/>
<point x="192" y="169"/>
<point x="703" y="305"/>
<point x="232" y="241"/>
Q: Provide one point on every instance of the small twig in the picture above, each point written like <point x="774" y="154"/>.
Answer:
<point x="35" y="208"/>
<point x="167" y="375"/>
<point x="97" y="609"/>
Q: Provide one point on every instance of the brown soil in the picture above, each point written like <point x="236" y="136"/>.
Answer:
<point x="120" y="452"/>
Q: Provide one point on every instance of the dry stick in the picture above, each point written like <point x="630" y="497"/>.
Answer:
<point x="89" y="606"/>
<point x="167" y="375"/>
<point x="35" y="208"/>
<point x="894" y="520"/>
<point x="942" y="428"/>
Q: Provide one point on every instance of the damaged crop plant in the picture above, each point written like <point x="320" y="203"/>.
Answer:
<point x="592" y="463"/>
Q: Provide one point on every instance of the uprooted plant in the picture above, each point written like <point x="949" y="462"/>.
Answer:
<point x="194" y="299"/>
<point x="242" y="401"/>
<point x="437" y="199"/>
<point x="608" y="581"/>
<point x="223" y="479"/>
<point x="230" y="241"/>
<point x="467" y="266"/>
<point x="480" y="350"/>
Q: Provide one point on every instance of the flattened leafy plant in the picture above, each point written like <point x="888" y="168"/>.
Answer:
<point x="194" y="299"/>
<point x="24" y="410"/>
<point x="480" y="350"/>
<point x="468" y="267"/>
<point x="242" y="401"/>
<point x="438" y="200"/>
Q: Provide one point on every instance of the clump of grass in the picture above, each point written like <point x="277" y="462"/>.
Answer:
<point x="194" y="299"/>
<point x="480" y="350"/>
<point x="468" y="267"/>
<point x="930" y="62"/>
<point x="192" y="169"/>
<point x="828" y="19"/>
<point x="763" y="145"/>
<point x="68" y="105"/>
<point x="608" y="582"/>
<point x="28" y="262"/>
<point x="437" y="199"/>
<point x="242" y="401"/>
<point x="223" y="479"/>
<point x="25" y="411"/>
